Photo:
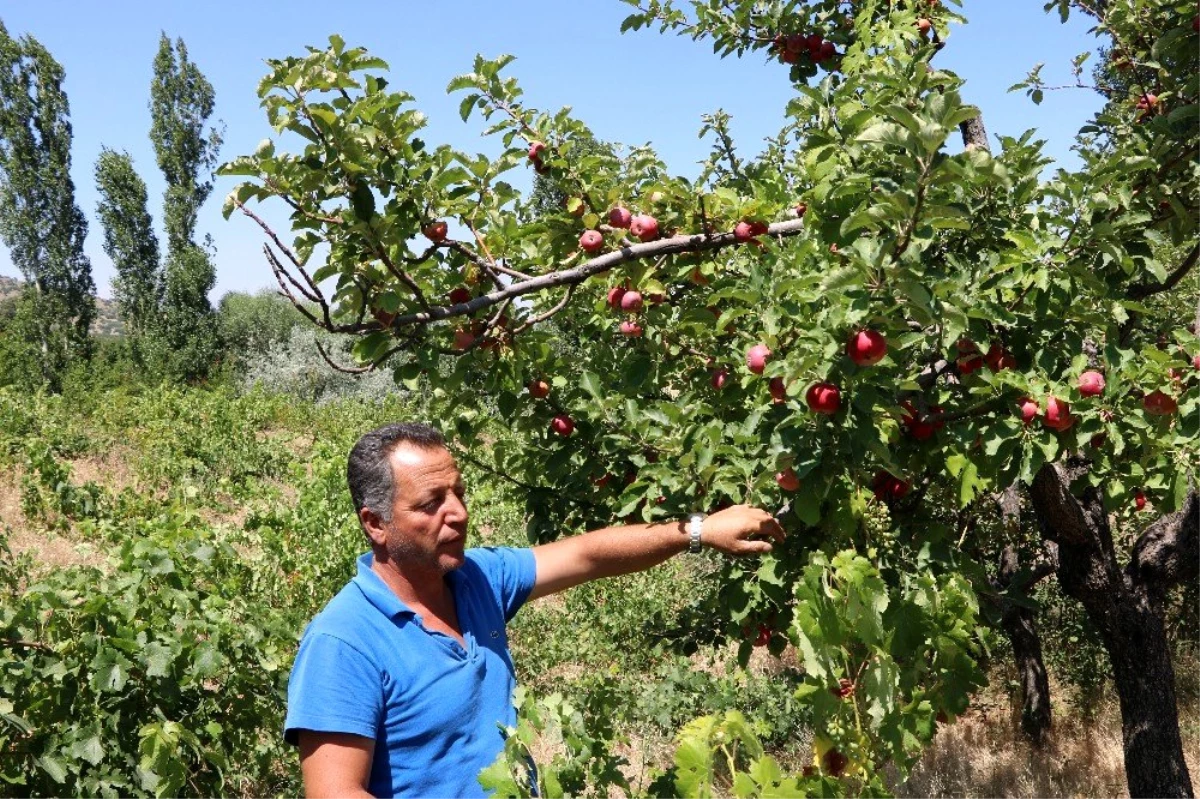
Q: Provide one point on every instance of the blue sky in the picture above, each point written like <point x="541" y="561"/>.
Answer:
<point x="632" y="88"/>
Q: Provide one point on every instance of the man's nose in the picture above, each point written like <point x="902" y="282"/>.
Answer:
<point x="456" y="509"/>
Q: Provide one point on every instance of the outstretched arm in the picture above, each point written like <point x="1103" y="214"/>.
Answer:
<point x="740" y="530"/>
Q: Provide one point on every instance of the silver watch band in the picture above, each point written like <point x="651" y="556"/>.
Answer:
<point x="695" y="527"/>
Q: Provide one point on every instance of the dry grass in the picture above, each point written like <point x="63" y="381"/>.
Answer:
<point x="983" y="753"/>
<point x="49" y="549"/>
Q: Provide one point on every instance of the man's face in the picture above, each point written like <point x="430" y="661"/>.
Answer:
<point x="428" y="529"/>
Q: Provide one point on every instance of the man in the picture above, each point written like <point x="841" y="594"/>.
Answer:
<point x="402" y="681"/>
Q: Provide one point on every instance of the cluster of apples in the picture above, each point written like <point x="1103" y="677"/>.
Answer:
<point x="631" y="302"/>
<point x="562" y="424"/>
<point x="793" y="48"/>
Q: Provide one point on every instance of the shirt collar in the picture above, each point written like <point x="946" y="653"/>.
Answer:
<point x="376" y="590"/>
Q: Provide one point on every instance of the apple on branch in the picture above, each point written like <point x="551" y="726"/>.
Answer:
<point x="1058" y="415"/>
<point x="823" y="398"/>
<point x="563" y="425"/>
<point x="866" y="347"/>
<point x="592" y="241"/>
<point x="1157" y="403"/>
<point x="644" y="226"/>
<point x="435" y="231"/>
<point x="756" y="358"/>
<point x="787" y="479"/>
<point x="1091" y="383"/>
<point x="620" y="217"/>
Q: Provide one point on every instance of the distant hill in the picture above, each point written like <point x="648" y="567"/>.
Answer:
<point x="106" y="323"/>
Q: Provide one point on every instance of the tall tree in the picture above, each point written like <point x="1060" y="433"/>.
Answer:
<point x="130" y="241"/>
<point x="181" y="101"/>
<point x="39" y="220"/>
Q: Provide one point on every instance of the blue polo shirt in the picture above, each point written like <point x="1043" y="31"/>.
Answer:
<point x="368" y="666"/>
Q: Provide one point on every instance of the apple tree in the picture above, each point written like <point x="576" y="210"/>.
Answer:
<point x="864" y="326"/>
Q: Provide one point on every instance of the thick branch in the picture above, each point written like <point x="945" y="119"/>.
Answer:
<point x="566" y="277"/>
<point x="1168" y="552"/>
<point x="1142" y="290"/>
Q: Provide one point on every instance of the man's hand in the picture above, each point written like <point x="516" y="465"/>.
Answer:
<point x="741" y="530"/>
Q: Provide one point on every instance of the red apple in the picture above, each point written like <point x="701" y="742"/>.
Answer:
<point x="1147" y="102"/>
<point x="1139" y="499"/>
<point x="756" y="358"/>
<point x="620" y="217"/>
<point x="719" y="378"/>
<point x="887" y="487"/>
<point x="631" y="301"/>
<point x="615" y="294"/>
<point x="827" y="51"/>
<point x="759" y="228"/>
<point x="823" y="398"/>
<point x="591" y="241"/>
<point x="923" y="25"/>
<point x="1029" y="410"/>
<point x="539" y="388"/>
<point x="1157" y="403"/>
<point x="460" y="295"/>
<point x="562" y="424"/>
<point x="801" y="209"/>
<point x="1091" y="383"/>
<point x="866" y="347"/>
<point x="535" y="150"/>
<point x="384" y="318"/>
<point x="435" y="231"/>
<point x="742" y="232"/>
<point x="1196" y="360"/>
<point x="764" y="635"/>
<point x="787" y="480"/>
<point x="796" y="42"/>
<point x="778" y="390"/>
<point x="919" y="428"/>
<point x="463" y="339"/>
<point x="602" y="480"/>
<point x="998" y="358"/>
<point x="644" y="226"/>
<point x="631" y="329"/>
<point x="1058" y="415"/>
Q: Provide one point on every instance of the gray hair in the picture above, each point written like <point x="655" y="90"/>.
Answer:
<point x="369" y="472"/>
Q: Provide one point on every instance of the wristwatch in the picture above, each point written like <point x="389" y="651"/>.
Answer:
<point x="695" y="526"/>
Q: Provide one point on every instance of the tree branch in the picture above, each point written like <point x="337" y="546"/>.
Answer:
<point x="677" y="244"/>
<point x="1142" y="290"/>
<point x="1168" y="552"/>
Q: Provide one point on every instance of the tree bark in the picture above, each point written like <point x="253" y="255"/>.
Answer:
<point x="1126" y="607"/>
<point x="1020" y="624"/>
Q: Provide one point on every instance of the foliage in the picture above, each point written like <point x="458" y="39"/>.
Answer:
<point x="129" y="240"/>
<point x="181" y="101"/>
<point x="250" y="324"/>
<point x="987" y="282"/>
<point x="39" y="220"/>
<point x="293" y="366"/>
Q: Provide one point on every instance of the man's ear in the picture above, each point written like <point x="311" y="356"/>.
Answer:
<point x="374" y="525"/>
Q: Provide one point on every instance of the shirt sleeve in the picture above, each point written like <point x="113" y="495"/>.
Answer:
<point x="511" y="572"/>
<point x="333" y="688"/>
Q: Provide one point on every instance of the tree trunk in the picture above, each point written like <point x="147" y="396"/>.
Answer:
<point x="1019" y="622"/>
<point x="1137" y="645"/>
<point x="1126" y="607"/>
<point x="1020" y="625"/>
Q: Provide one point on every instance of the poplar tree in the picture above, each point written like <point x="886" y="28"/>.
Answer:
<point x="39" y="221"/>
<point x="181" y="101"/>
<point x="130" y="242"/>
